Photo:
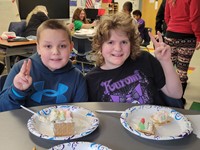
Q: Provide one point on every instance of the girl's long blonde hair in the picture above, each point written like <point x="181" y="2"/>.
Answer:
<point x="38" y="8"/>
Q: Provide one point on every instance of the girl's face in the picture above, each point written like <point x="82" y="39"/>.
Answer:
<point x="116" y="50"/>
<point x="54" y="48"/>
<point x="82" y="15"/>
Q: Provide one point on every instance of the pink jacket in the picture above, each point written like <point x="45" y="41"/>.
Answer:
<point x="184" y="17"/>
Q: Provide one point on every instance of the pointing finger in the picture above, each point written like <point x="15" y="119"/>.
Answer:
<point x="28" y="67"/>
<point x="153" y="39"/>
<point x="160" y="36"/>
<point x="23" y="68"/>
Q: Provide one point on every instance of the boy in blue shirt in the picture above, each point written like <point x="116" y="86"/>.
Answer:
<point x="47" y="77"/>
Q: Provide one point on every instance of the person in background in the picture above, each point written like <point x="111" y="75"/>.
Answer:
<point x="183" y="34"/>
<point x="160" y="22"/>
<point x="137" y="14"/>
<point x="34" y="19"/>
<point x="128" y="8"/>
<point x="123" y="72"/>
<point x="47" y="77"/>
<point x="80" y="20"/>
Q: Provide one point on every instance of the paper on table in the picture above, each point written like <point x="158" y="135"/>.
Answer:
<point x="195" y="120"/>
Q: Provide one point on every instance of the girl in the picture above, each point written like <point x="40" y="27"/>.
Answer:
<point x="124" y="73"/>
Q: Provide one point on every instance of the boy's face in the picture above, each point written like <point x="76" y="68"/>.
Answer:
<point x="136" y="17"/>
<point x="54" y="48"/>
<point x="116" y="50"/>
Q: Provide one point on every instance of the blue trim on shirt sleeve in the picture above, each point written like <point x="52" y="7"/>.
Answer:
<point x="16" y="94"/>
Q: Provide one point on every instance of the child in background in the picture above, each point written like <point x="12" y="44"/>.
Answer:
<point x="47" y="77"/>
<point x="34" y="19"/>
<point x="126" y="74"/>
<point x="80" y="20"/>
<point x="141" y="23"/>
<point x="128" y="8"/>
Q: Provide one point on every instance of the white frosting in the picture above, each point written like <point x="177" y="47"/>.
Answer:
<point x="161" y="117"/>
<point x="57" y="116"/>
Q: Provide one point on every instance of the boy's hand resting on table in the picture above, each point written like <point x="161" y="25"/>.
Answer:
<point x="162" y="50"/>
<point x="23" y="80"/>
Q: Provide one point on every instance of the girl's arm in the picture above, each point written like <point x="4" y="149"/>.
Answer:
<point x="162" y="52"/>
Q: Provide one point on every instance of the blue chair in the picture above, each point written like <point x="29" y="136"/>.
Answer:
<point x="17" y="27"/>
<point x="2" y="66"/>
<point x="146" y="40"/>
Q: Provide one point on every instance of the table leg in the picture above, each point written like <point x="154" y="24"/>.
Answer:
<point x="7" y="61"/>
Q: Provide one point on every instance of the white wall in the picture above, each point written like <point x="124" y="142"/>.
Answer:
<point x="9" y="12"/>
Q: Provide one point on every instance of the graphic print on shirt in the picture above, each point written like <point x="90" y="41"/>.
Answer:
<point x="131" y="89"/>
<point x="39" y="87"/>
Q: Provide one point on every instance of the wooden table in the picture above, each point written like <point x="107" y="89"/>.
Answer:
<point x="8" y="49"/>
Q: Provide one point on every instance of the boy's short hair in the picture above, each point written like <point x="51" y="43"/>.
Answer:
<point x="128" y="6"/>
<point x="137" y="13"/>
<point x="54" y="25"/>
<point x="119" y="21"/>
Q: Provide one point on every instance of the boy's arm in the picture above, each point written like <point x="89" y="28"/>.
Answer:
<point x="10" y="97"/>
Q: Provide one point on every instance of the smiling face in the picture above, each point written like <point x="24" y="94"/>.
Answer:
<point x="82" y="15"/>
<point x="116" y="50"/>
<point x="54" y="48"/>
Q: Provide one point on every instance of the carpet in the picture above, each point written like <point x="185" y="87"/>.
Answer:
<point x="195" y="106"/>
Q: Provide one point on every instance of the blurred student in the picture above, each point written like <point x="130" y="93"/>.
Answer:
<point x="183" y="34"/>
<point x="126" y="74"/>
<point x="48" y="76"/>
<point x="80" y="20"/>
<point x="128" y="8"/>
<point x="34" y="19"/>
<point x="137" y="14"/>
<point x="160" y="22"/>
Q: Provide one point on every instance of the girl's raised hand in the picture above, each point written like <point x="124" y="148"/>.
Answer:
<point x="162" y="50"/>
<point x="23" y="80"/>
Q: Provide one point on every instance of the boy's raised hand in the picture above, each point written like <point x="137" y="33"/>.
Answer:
<point x="23" y="80"/>
<point x="162" y="50"/>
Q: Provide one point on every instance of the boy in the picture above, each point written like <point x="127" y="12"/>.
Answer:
<point x="141" y="23"/>
<point x="47" y="77"/>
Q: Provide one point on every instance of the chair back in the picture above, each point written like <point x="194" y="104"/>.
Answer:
<point x="2" y="81"/>
<point x="17" y="27"/>
<point x="2" y="66"/>
<point x="147" y="39"/>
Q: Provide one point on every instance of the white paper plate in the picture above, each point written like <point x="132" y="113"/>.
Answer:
<point x="80" y="34"/>
<point x="178" y="128"/>
<point x="79" y="146"/>
<point x="85" y="32"/>
<point x="85" y="123"/>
